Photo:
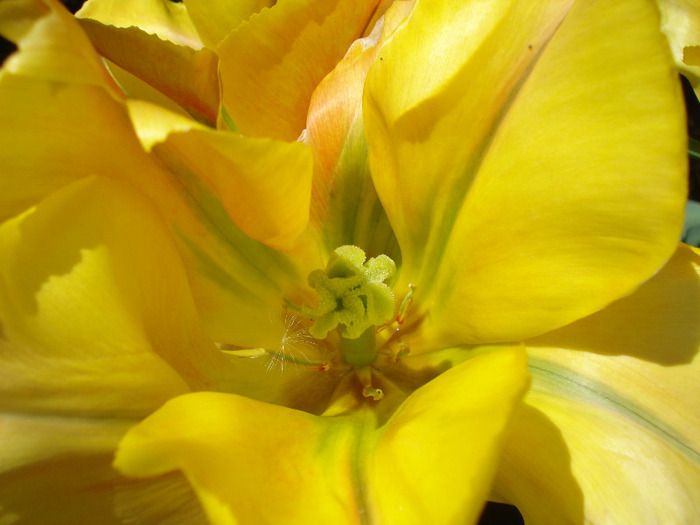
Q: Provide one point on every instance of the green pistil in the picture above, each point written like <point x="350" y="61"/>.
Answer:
<point x="354" y="299"/>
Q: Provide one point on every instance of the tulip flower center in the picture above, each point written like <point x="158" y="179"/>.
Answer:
<point x="350" y="325"/>
<point x="353" y="299"/>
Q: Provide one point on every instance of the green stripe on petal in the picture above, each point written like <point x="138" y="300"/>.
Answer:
<point x="612" y="428"/>
<point x="569" y="114"/>
<point x="220" y="191"/>
<point x="345" y="208"/>
<point x="250" y="462"/>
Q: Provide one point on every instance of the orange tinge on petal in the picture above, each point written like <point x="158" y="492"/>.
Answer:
<point x="271" y="64"/>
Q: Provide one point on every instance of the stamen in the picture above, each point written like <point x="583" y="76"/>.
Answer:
<point x="352" y="296"/>
<point x="352" y="299"/>
<point x="248" y="353"/>
<point x="364" y="375"/>
<point x="402" y="351"/>
<point x="405" y="304"/>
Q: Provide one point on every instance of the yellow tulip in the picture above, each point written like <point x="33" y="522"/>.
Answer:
<point x="298" y="263"/>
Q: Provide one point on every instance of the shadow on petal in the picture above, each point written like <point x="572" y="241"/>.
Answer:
<point x="86" y="489"/>
<point x="535" y="471"/>
<point x="657" y="323"/>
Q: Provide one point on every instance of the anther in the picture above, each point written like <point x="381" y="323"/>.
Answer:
<point x="405" y="304"/>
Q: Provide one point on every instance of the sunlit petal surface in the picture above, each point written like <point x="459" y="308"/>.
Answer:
<point x="214" y="19"/>
<point x="271" y="64"/>
<point x="157" y="42"/>
<point x="615" y="397"/>
<point x="348" y="468"/>
<point x="168" y="20"/>
<point x="680" y="20"/>
<point x="503" y="248"/>
<point x="281" y="257"/>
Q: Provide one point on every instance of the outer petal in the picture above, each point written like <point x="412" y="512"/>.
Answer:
<point x="613" y="429"/>
<point x="32" y="24"/>
<point x="215" y="19"/>
<point x="249" y="462"/>
<point x="271" y="64"/>
<point x="81" y="306"/>
<point x="525" y="228"/>
<point x="85" y="277"/>
<point x="155" y="40"/>
<point x="438" y="454"/>
<point x="60" y="118"/>
<point x="680" y="20"/>
<point x="57" y="471"/>
<point x="255" y="463"/>
<point x="84" y="131"/>
<point x="238" y="282"/>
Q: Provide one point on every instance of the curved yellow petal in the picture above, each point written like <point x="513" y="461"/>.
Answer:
<point x="168" y="20"/>
<point x="680" y="20"/>
<point x="187" y="75"/>
<point x="61" y="120"/>
<point x="525" y="228"/>
<point x="214" y="19"/>
<point x="424" y="124"/>
<point x="271" y="64"/>
<point x="238" y="282"/>
<point x="251" y="462"/>
<point x="264" y="185"/>
<point x="57" y="471"/>
<point x="33" y="25"/>
<point x="613" y="428"/>
<point x="57" y="130"/>
<point x="81" y="305"/>
<point x="437" y="455"/>
<point x="345" y="207"/>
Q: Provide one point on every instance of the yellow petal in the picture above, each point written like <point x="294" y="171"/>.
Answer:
<point x="238" y="282"/>
<point x="680" y="20"/>
<point x="214" y="19"/>
<point x="33" y="25"/>
<point x="251" y="462"/>
<point x="57" y="471"/>
<point x="345" y="206"/>
<point x="61" y="121"/>
<point x="168" y="20"/>
<point x="186" y="75"/>
<point x="614" y="404"/>
<point x="691" y="55"/>
<point x="525" y="228"/>
<point x="82" y="126"/>
<point x="82" y="302"/>
<point x="271" y="64"/>
<point x="264" y="185"/>
<point x="437" y="455"/>
<point x="135" y="88"/>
